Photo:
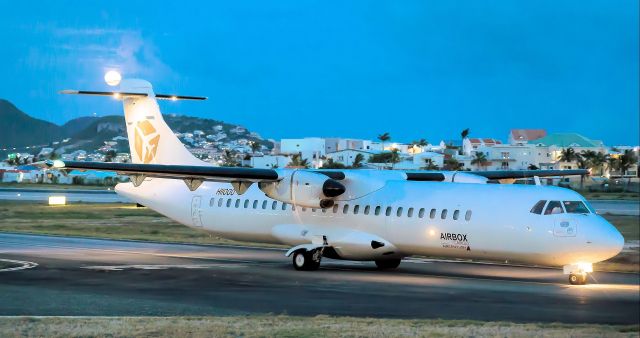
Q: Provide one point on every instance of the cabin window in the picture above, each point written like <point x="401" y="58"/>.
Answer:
<point x="399" y="212"/>
<point x="313" y="210"/>
<point x="228" y="203"/>
<point x="324" y="210"/>
<point x="410" y="212"/>
<point x="274" y="205"/>
<point x="284" y="206"/>
<point x="237" y="203"/>
<point x="421" y="213"/>
<point x="537" y="209"/>
<point x="388" y="211"/>
<point x="456" y="214"/>
<point x="345" y="209"/>
<point x="432" y="214"/>
<point x="264" y="204"/>
<point x="356" y="209"/>
<point x="246" y="203"/>
<point x="255" y="204"/>
<point x="335" y="208"/>
<point x="443" y="215"/>
<point x="575" y="207"/>
<point x="377" y="211"/>
<point x="220" y="202"/>
<point x="554" y="207"/>
<point x="366" y="210"/>
<point x="212" y="201"/>
<point x="304" y="209"/>
<point x="467" y="215"/>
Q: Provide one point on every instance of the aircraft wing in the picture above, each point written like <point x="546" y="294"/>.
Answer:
<point x="516" y="174"/>
<point x="220" y="174"/>
<point x="505" y="175"/>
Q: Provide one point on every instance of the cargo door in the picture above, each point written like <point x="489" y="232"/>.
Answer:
<point x="196" y="211"/>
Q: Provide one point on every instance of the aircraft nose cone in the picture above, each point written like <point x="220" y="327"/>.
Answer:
<point x="333" y="188"/>
<point x="611" y="240"/>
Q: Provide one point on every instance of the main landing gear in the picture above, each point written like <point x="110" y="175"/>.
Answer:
<point x="386" y="264"/>
<point x="304" y="260"/>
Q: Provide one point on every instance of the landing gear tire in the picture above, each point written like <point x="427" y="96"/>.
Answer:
<point x="578" y="278"/>
<point x="306" y="260"/>
<point x="385" y="264"/>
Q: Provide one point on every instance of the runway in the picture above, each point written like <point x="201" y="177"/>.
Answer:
<point x="72" y="195"/>
<point x="78" y="276"/>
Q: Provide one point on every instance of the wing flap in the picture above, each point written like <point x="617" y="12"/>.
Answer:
<point x="218" y="174"/>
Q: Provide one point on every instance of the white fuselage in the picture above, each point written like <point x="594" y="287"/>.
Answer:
<point x="458" y="220"/>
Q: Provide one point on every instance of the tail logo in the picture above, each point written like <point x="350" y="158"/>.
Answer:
<point x="146" y="141"/>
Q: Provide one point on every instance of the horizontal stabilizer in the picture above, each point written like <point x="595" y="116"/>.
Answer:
<point x="121" y="95"/>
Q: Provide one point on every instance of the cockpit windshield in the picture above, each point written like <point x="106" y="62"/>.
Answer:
<point x="576" y="207"/>
<point x="554" y="207"/>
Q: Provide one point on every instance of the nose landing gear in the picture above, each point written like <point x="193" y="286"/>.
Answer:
<point x="578" y="278"/>
<point x="578" y="273"/>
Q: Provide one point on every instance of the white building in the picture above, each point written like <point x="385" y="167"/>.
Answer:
<point x="348" y="156"/>
<point x="311" y="148"/>
<point x="269" y="161"/>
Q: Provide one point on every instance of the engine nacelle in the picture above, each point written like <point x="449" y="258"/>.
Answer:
<point x="463" y="177"/>
<point x="305" y="188"/>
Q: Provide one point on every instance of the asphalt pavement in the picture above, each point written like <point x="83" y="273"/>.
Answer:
<point x="56" y="276"/>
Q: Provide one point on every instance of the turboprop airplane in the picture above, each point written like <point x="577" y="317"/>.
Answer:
<point x="368" y="215"/>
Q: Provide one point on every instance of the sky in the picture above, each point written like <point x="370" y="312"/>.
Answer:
<point x="294" y="68"/>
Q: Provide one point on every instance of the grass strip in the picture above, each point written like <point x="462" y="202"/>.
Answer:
<point x="292" y="326"/>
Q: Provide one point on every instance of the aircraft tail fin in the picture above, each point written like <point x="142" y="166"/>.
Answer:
<point x="150" y="138"/>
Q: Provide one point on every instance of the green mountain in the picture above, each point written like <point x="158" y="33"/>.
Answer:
<point x="20" y="130"/>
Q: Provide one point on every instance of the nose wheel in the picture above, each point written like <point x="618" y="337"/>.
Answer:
<point x="578" y="278"/>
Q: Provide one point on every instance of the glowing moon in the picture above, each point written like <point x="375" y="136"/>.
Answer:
<point x="112" y="78"/>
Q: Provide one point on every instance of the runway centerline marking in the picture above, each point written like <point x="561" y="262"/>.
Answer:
<point x="157" y="266"/>
<point x="23" y="265"/>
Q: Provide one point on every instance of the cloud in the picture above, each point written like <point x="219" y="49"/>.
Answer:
<point x="125" y="50"/>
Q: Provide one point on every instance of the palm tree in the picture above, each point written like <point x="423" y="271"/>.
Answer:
<point x="255" y="146"/>
<point x="480" y="159"/>
<point x="625" y="162"/>
<point x="229" y="159"/>
<point x="357" y="161"/>
<point x="583" y="163"/>
<point x="429" y="165"/>
<point x="331" y="164"/>
<point x="395" y="157"/>
<point x="598" y="161"/>
<point x="612" y="164"/>
<point x="568" y="155"/>
<point x="298" y="161"/>
<point x="420" y="143"/>
<point x="452" y="164"/>
<point x="384" y="138"/>
<point x="53" y="155"/>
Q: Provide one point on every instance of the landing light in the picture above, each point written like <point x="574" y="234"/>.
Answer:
<point x="116" y="95"/>
<point x="57" y="200"/>
<point x="585" y="267"/>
